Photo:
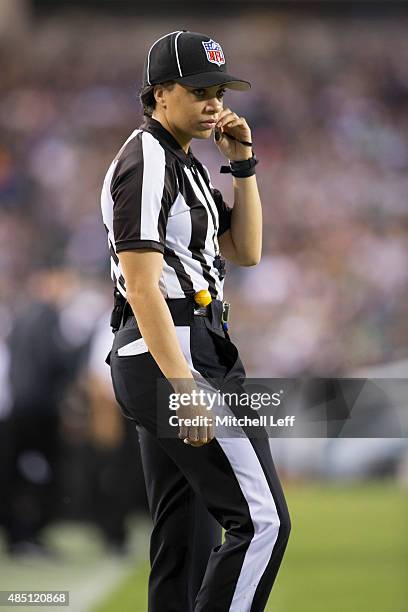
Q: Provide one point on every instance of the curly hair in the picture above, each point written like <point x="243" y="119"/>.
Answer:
<point x="147" y="99"/>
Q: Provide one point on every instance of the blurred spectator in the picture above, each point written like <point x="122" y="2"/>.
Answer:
<point x="6" y="442"/>
<point x="114" y="463"/>
<point x="41" y="366"/>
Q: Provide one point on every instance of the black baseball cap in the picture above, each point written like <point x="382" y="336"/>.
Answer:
<point x="189" y="58"/>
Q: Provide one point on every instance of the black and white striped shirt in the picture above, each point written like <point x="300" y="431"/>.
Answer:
<point x="156" y="196"/>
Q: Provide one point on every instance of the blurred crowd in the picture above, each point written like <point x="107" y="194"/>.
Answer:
<point x="66" y="453"/>
<point x="330" y="126"/>
<point x="328" y="111"/>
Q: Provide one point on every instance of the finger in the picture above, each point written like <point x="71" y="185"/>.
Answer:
<point x="224" y="112"/>
<point x="229" y="117"/>
<point x="233" y="123"/>
<point x="222" y="119"/>
<point x="237" y="121"/>
<point x="202" y="434"/>
<point x="210" y="433"/>
<point x="193" y="434"/>
<point x="183" y="432"/>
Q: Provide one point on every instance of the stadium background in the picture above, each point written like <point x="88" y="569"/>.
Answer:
<point x="328" y="110"/>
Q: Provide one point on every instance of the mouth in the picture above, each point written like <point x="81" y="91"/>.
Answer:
<point x="209" y="124"/>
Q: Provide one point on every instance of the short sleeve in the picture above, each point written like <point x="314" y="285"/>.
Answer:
<point x="140" y="193"/>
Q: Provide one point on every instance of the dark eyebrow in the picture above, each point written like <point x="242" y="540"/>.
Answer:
<point x="206" y="89"/>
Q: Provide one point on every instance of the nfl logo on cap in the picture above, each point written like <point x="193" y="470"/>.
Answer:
<point x="213" y="52"/>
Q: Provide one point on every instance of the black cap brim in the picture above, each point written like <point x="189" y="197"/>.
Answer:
<point x="209" y="79"/>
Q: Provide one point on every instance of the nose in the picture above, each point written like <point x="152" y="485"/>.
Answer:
<point x="214" y="105"/>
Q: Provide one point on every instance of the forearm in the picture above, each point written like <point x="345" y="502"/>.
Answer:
<point x="243" y="244"/>
<point x="157" y="328"/>
<point x="246" y="219"/>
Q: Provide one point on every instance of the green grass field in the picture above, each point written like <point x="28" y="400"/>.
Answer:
<point x="348" y="552"/>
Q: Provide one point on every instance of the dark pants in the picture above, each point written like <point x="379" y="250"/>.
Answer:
<point x="32" y="492"/>
<point x="230" y="482"/>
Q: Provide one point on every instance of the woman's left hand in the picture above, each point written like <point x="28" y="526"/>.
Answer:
<point x="229" y="123"/>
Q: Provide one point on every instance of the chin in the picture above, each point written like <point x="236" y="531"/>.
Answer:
<point x="203" y="134"/>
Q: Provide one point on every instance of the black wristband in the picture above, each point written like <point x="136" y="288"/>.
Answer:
<point x="241" y="169"/>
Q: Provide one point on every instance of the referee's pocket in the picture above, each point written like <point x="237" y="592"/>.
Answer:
<point x="134" y="369"/>
<point x="135" y="347"/>
<point x="129" y="341"/>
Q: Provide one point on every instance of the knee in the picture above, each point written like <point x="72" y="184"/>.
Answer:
<point x="276" y="526"/>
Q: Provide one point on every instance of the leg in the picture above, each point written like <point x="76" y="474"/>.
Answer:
<point x="267" y="580"/>
<point x="184" y="533"/>
<point x="238" y="483"/>
<point x="234" y="476"/>
<point x="33" y="500"/>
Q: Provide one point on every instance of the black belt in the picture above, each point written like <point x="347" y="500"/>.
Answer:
<point x="182" y="311"/>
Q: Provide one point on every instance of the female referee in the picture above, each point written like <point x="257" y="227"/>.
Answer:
<point x="169" y="231"/>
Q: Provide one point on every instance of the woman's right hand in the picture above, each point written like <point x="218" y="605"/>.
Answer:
<point x="195" y="418"/>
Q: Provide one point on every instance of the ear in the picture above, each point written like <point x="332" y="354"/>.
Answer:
<point x="159" y="93"/>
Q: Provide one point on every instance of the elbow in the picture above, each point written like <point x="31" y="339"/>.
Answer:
<point x="138" y="293"/>
<point x="251" y="262"/>
<point x="245" y="254"/>
<point x="251" y="259"/>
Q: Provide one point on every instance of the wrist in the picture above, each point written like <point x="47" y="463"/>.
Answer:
<point x="241" y="168"/>
<point x="244" y="157"/>
<point x="183" y="385"/>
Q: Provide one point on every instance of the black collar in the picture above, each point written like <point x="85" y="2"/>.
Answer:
<point x="167" y="140"/>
